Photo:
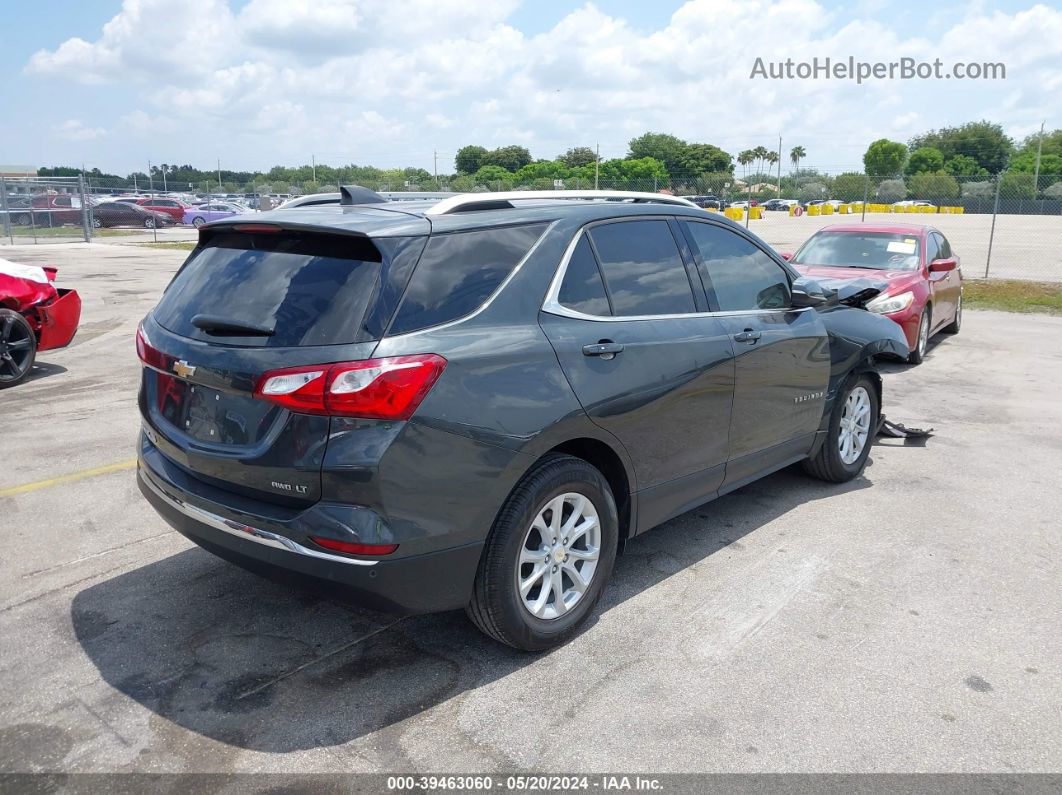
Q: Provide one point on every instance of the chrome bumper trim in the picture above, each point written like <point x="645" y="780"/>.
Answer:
<point x="246" y="532"/>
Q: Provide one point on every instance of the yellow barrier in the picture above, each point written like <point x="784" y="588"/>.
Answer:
<point x="734" y="213"/>
<point x="792" y="209"/>
<point x="755" y="212"/>
<point x="827" y="209"/>
<point x="815" y="209"/>
<point x="844" y="209"/>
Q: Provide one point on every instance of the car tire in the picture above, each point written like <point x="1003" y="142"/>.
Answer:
<point x="18" y="348"/>
<point x="197" y="222"/>
<point x="537" y="618"/>
<point x="149" y="223"/>
<point x="832" y="463"/>
<point x="918" y="353"/>
<point x="97" y="223"/>
<point x="956" y="324"/>
<point x="24" y="220"/>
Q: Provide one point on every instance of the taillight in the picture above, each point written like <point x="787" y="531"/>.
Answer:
<point x="351" y="548"/>
<point x="386" y="389"/>
<point x="149" y="354"/>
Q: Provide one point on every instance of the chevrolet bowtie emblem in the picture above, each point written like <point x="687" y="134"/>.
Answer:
<point x="183" y="369"/>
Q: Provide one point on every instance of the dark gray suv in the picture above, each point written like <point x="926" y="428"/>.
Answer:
<point x="475" y="402"/>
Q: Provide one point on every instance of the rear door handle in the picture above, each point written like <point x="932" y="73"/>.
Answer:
<point x="748" y="335"/>
<point x="604" y="349"/>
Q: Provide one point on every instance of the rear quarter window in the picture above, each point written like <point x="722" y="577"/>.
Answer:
<point x="458" y="272"/>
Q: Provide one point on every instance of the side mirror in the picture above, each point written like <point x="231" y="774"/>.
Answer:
<point x="807" y="292"/>
<point x="941" y="265"/>
<point x="787" y="255"/>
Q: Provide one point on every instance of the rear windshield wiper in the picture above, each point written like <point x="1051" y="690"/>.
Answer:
<point x="214" y="324"/>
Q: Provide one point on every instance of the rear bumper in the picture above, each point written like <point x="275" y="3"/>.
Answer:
<point x="426" y="583"/>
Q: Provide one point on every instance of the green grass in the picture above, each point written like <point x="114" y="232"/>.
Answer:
<point x="1009" y="295"/>
<point x="178" y="245"/>
<point x="68" y="231"/>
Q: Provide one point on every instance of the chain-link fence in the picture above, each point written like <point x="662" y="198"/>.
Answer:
<point x="54" y="209"/>
<point x="1006" y="226"/>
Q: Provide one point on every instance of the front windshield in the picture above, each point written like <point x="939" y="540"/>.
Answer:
<point x="876" y="250"/>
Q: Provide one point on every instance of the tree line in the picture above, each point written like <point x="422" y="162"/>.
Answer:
<point x="931" y="164"/>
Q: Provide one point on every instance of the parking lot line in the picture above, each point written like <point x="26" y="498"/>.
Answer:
<point x="70" y="478"/>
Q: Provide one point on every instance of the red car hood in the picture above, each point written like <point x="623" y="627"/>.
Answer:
<point x="896" y="279"/>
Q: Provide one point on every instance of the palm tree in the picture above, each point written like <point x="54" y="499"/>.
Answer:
<point x="760" y="154"/>
<point x="796" y="154"/>
<point x="744" y="158"/>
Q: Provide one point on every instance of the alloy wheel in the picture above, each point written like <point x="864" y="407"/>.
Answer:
<point x="559" y="556"/>
<point x="16" y="349"/>
<point x="855" y="425"/>
<point x="923" y="334"/>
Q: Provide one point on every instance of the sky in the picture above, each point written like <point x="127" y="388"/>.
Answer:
<point x="255" y="83"/>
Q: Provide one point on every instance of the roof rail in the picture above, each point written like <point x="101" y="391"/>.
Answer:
<point x="465" y="202"/>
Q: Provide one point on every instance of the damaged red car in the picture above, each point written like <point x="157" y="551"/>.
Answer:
<point x="35" y="315"/>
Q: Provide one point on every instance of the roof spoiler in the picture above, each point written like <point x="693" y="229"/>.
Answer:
<point x="356" y="194"/>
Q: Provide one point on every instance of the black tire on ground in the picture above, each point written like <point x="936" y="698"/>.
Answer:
<point x="149" y="223"/>
<point x="827" y="463"/>
<point x="918" y="353"/>
<point x="197" y="222"/>
<point x="18" y="348"/>
<point x="956" y="324"/>
<point x="97" y="223"/>
<point x="497" y="608"/>
<point x="24" y="220"/>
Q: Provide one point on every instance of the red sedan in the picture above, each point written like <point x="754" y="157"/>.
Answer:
<point x="171" y="207"/>
<point x="921" y="274"/>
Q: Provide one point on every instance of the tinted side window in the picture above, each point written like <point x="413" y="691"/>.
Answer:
<point x="932" y="248"/>
<point x="458" y="272"/>
<point x="945" y="246"/>
<point x="742" y="276"/>
<point x="642" y="268"/>
<point x="582" y="288"/>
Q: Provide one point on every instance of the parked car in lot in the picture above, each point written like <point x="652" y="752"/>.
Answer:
<point x="212" y="211"/>
<point x="44" y="210"/>
<point x="109" y="214"/>
<point x="708" y="201"/>
<point x="919" y="274"/>
<point x="913" y="203"/>
<point x="172" y="207"/>
<point x="779" y="204"/>
<point x="475" y="402"/>
<point x="35" y="316"/>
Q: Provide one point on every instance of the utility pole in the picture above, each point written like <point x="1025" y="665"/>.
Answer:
<point x="219" y="175"/>
<point x="164" y="188"/>
<point x="313" y="160"/>
<point x="1039" y="149"/>
<point x="597" y="164"/>
<point x="778" y="192"/>
<point x="151" y="179"/>
<point x="435" y="156"/>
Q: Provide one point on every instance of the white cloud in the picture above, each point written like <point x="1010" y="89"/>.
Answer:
<point x="392" y="80"/>
<point x="76" y="130"/>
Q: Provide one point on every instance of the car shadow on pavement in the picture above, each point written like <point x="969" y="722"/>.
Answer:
<point x="42" y="370"/>
<point x="267" y="667"/>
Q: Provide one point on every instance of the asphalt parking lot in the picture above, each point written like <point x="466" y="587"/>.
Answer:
<point x="908" y="621"/>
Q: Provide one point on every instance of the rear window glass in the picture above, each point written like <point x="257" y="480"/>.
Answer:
<point x="311" y="290"/>
<point x="458" y="272"/>
<point x="582" y="289"/>
<point x="643" y="269"/>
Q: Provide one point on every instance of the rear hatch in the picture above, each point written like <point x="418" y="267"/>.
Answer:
<point x="246" y="303"/>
